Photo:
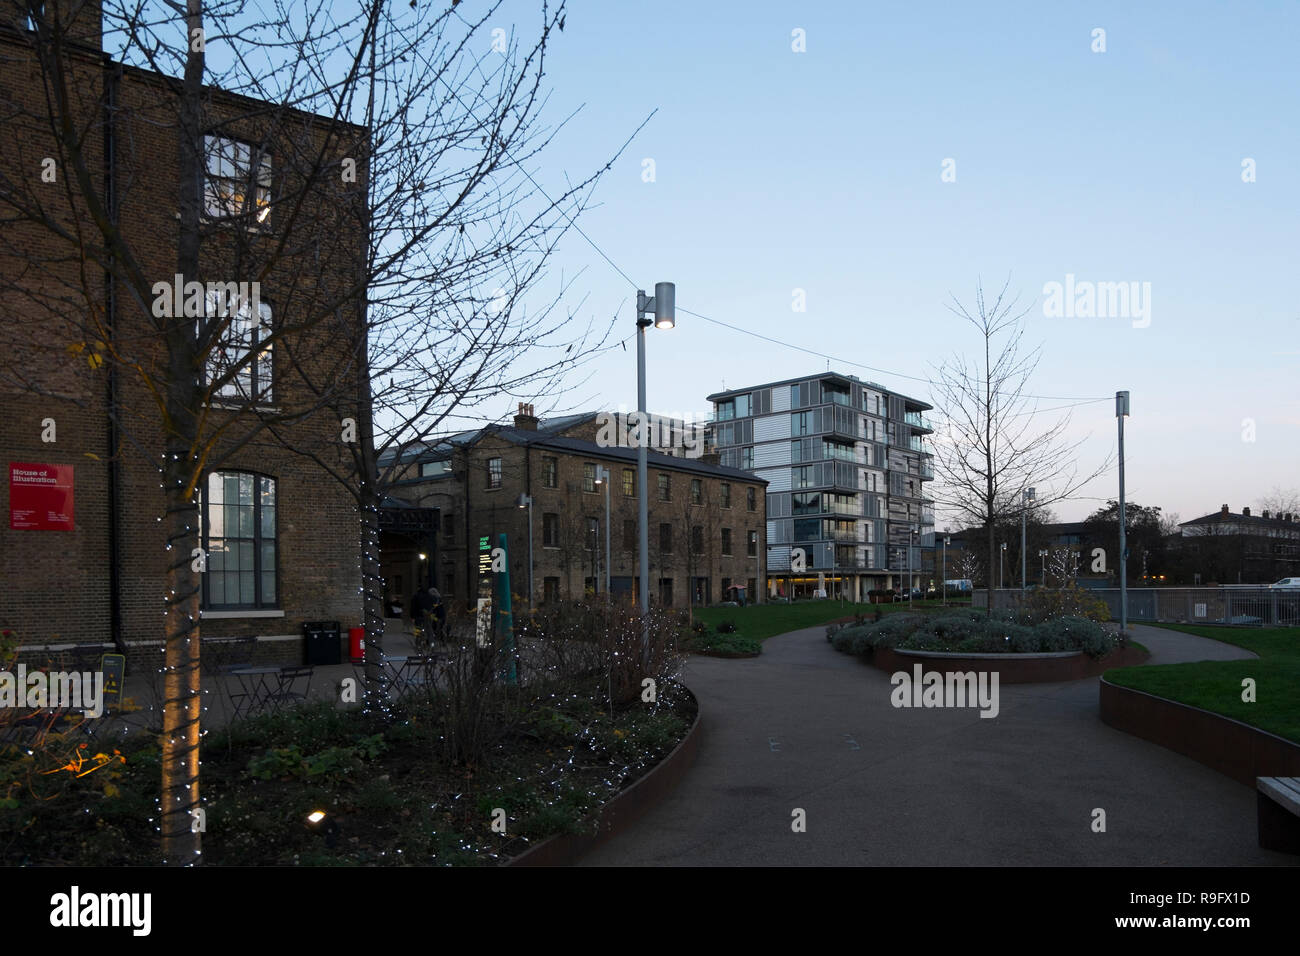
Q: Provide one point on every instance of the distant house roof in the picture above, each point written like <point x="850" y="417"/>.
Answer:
<point x="1247" y="521"/>
<point x="441" y="447"/>
<point x="547" y="436"/>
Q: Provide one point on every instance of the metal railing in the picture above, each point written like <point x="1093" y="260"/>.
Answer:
<point x="1263" y="606"/>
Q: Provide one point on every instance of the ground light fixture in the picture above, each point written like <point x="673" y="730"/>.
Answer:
<point x="318" y="821"/>
<point x="663" y="305"/>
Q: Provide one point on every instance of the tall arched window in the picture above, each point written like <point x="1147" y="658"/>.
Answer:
<point x="238" y="534"/>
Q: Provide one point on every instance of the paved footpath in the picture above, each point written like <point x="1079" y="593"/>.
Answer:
<point x="804" y="726"/>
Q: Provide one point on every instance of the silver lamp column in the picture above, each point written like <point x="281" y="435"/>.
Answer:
<point x="1121" y="412"/>
<point x="1024" y="511"/>
<point x="526" y="501"/>
<point x="663" y="305"/>
<point x="603" y="478"/>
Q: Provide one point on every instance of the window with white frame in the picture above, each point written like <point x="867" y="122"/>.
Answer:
<point x="231" y="187"/>
<point x="237" y="531"/>
<point x="240" y="361"/>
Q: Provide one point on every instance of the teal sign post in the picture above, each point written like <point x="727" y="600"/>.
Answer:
<point x="504" y="618"/>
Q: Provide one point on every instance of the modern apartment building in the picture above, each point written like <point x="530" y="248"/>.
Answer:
<point x="845" y="463"/>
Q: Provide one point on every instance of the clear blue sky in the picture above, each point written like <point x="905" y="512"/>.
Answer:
<point x="821" y="171"/>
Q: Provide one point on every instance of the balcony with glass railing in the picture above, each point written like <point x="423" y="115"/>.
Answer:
<point x="917" y="420"/>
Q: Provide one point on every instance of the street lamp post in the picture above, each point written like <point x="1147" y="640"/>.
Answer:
<point x="602" y="478"/>
<point x="1121" y="412"/>
<point x="943" y="580"/>
<point x="1043" y="554"/>
<point x="911" y="578"/>
<point x="663" y="305"/>
<point x="1024" y="511"/>
<point x="526" y="501"/>
<point x="1002" y="563"/>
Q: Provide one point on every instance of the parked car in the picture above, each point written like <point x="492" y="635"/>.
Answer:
<point x="1287" y="584"/>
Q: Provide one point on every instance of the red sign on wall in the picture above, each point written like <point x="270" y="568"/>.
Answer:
<point x="40" y="497"/>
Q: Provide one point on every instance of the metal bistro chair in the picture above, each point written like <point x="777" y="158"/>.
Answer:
<point x="293" y="687"/>
<point x="220" y="659"/>
<point x="413" y="673"/>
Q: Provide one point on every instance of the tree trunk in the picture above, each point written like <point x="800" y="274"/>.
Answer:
<point x="180" y="742"/>
<point x="181" y="840"/>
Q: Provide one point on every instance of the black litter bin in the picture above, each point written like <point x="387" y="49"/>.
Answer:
<point x="322" y="643"/>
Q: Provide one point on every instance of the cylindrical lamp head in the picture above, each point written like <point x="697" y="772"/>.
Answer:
<point x="1121" y="404"/>
<point x="665" y="305"/>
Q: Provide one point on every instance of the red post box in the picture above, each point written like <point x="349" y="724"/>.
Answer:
<point x="357" y="644"/>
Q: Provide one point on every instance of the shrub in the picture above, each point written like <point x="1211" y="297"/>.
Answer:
<point x="975" y="632"/>
<point x="890" y="630"/>
<point x="726" y="627"/>
<point x="1075" y="633"/>
<point x="1044" y="604"/>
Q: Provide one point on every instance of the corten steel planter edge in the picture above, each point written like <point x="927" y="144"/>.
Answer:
<point x="624" y="809"/>
<point x="1018" y="669"/>
<point x="1232" y="748"/>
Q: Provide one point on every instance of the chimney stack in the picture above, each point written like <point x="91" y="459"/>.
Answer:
<point x="1245" y="512"/>
<point x="1223" y="512"/>
<point x="1265" y="514"/>
<point x="526" y="420"/>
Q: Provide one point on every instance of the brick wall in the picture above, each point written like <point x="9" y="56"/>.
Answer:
<point x="57" y="584"/>
<point x="570" y="559"/>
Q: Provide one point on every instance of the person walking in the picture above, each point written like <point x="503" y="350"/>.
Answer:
<point x="422" y="604"/>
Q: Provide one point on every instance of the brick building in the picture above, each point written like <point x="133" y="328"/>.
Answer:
<point x="1227" y="547"/>
<point x="707" y="522"/>
<point x="281" y="539"/>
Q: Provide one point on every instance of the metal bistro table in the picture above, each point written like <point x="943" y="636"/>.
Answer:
<point x="402" y="673"/>
<point x="268" y="688"/>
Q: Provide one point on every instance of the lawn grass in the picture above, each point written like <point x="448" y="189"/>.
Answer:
<point x="761" y="621"/>
<point x="1216" y="685"/>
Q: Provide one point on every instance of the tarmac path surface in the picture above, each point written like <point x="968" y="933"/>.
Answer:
<point x="805" y="727"/>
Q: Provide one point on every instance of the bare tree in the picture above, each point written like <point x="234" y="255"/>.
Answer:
<point x="990" y="450"/>
<point x="1063" y="565"/>
<point x="969" y="566"/>
<point x="1280" y="501"/>
<point x="408" y="233"/>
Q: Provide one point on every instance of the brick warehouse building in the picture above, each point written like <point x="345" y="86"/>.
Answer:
<point x="281" y="538"/>
<point x="707" y="522"/>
